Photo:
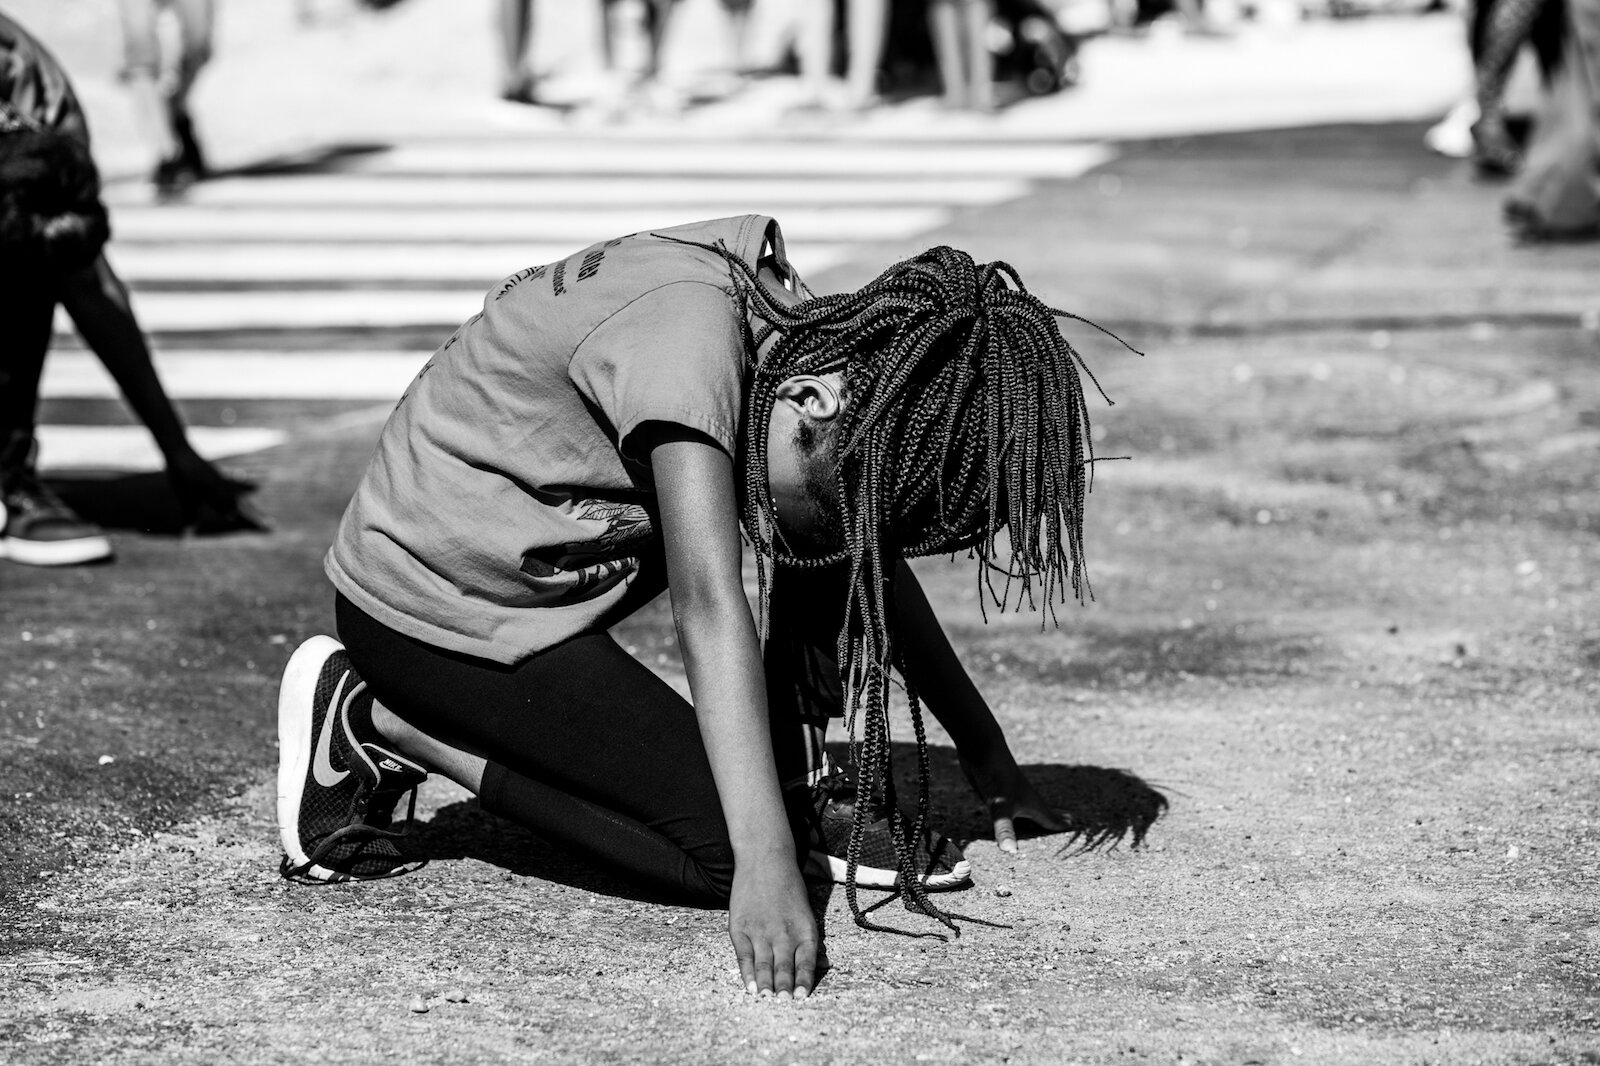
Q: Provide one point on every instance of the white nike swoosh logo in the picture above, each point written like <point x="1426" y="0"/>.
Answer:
<point x="321" y="766"/>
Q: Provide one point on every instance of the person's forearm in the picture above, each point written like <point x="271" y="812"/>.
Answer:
<point x="722" y="660"/>
<point x="98" y="303"/>
<point x="936" y="673"/>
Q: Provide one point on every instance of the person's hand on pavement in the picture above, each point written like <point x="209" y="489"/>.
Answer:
<point x="209" y="500"/>
<point x="773" y="931"/>
<point x="1011" y="798"/>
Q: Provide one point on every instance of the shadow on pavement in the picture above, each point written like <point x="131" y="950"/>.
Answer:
<point x="142" y="502"/>
<point x="466" y="831"/>
<point x="1102" y="806"/>
<point x="318" y="160"/>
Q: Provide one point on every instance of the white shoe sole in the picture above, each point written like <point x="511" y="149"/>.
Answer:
<point x="55" y="552"/>
<point x="296" y="699"/>
<point x="873" y="877"/>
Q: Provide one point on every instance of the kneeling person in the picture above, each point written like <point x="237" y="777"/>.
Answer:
<point x="605" y="429"/>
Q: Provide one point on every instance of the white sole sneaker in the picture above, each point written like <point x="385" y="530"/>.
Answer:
<point x="72" y="552"/>
<point x="296" y="706"/>
<point x="837" y="870"/>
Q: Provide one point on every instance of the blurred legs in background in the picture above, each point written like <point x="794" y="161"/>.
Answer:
<point x="631" y="36"/>
<point x="866" y="31"/>
<point x="960" y="31"/>
<point x="1499" y="31"/>
<point x="161" y="90"/>
<point x="36" y="528"/>
<point x="1558" y="194"/>
<point x="514" y="23"/>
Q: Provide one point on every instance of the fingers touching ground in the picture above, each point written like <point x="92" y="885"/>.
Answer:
<point x="1005" y="833"/>
<point x="784" y="968"/>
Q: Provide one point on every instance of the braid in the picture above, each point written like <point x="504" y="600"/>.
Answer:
<point x="966" y="420"/>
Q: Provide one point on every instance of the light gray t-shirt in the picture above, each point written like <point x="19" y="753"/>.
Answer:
<point x="505" y="509"/>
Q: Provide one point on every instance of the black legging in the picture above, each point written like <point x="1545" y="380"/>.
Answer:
<point x="29" y="313"/>
<point x="589" y="749"/>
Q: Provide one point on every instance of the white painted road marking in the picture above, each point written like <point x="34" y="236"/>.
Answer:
<point x="787" y="158"/>
<point x="456" y="264"/>
<point x="576" y="227"/>
<point x="415" y="236"/>
<point x="699" y="196"/>
<point x="130" y="449"/>
<point x="247" y="375"/>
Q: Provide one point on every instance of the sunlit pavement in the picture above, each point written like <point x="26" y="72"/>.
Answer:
<point x="1345" y="586"/>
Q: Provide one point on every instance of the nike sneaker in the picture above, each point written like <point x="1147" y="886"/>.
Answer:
<point x="36" y="527"/>
<point x="834" y="798"/>
<point x="338" y="783"/>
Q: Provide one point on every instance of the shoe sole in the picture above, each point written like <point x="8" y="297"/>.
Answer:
<point x="873" y="877"/>
<point x="55" y="552"/>
<point x="296" y="706"/>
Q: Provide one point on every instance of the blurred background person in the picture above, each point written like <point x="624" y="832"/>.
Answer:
<point x="1499" y="30"/>
<point x="866" y="26"/>
<point x="514" y="31"/>
<point x="960" y="30"/>
<point x="1558" y="194"/>
<point x="161" y="89"/>
<point x="631" y="38"/>
<point x="52" y="229"/>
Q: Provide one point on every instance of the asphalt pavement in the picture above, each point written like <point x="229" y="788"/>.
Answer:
<point x="1362" y="438"/>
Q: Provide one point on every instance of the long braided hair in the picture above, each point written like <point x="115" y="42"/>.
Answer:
<point x="964" y="428"/>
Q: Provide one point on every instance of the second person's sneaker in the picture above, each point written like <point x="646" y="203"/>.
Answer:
<point x="38" y="529"/>
<point x="338" y="781"/>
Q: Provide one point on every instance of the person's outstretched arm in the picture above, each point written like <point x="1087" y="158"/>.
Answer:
<point x="98" y="302"/>
<point x="769" y="916"/>
<point x="944" y="685"/>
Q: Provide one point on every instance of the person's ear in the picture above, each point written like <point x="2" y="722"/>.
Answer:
<point x="816" y="397"/>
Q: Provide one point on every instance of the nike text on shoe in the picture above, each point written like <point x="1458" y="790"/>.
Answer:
<point x="337" y="782"/>
<point x="938" y="861"/>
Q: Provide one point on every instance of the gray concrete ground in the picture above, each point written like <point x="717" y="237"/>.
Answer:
<point x="1345" y="618"/>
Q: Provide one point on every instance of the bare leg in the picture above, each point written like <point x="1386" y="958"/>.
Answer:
<point x="515" y="24"/>
<point x="867" y="28"/>
<point x="944" y="22"/>
<point x="196" y="19"/>
<point x="815" y="42"/>
<point x="657" y="17"/>
<point x="440" y="758"/>
<point x="975" y="16"/>
<point x="738" y="23"/>
<point x="141" y="69"/>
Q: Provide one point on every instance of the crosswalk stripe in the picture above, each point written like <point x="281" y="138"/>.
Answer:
<point x="247" y="375"/>
<point x="131" y="448"/>
<point x="177" y="312"/>
<point x="467" y="265"/>
<point x="405" y="243"/>
<point x="789" y="158"/>
<point x="579" y="227"/>
<point x="689" y="197"/>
